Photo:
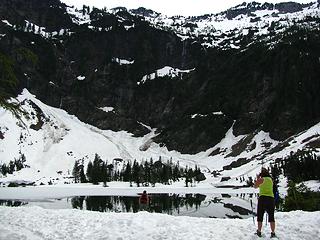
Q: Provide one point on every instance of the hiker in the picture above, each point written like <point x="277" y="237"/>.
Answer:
<point x="144" y="201"/>
<point x="266" y="200"/>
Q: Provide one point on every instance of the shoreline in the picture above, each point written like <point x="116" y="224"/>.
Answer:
<point x="113" y="189"/>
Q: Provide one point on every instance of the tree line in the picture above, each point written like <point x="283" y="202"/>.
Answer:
<point x="298" y="167"/>
<point x="301" y="166"/>
<point x="13" y="166"/>
<point x="144" y="173"/>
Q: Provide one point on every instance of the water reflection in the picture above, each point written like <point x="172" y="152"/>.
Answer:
<point x="195" y="205"/>
<point x="159" y="203"/>
<point x="12" y="203"/>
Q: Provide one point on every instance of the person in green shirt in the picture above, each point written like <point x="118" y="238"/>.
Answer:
<point x="266" y="200"/>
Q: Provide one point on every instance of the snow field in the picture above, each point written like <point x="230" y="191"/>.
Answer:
<point x="38" y="223"/>
<point x="63" y="139"/>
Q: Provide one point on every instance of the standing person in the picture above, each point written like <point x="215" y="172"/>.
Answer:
<point x="266" y="200"/>
<point x="144" y="201"/>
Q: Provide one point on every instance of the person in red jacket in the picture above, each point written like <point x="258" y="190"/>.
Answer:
<point x="144" y="201"/>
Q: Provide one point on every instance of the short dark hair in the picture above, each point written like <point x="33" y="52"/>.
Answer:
<point x="264" y="172"/>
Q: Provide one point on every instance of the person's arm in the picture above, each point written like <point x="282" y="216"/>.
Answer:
<point x="258" y="182"/>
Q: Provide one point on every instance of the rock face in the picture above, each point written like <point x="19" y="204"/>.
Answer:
<point x="250" y="8"/>
<point x="87" y="68"/>
<point x="288" y="7"/>
<point x="51" y="14"/>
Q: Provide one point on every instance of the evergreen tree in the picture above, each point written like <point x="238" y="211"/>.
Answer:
<point x="4" y="169"/>
<point x="76" y="172"/>
<point x="176" y="173"/>
<point x="165" y="174"/>
<point x="96" y="169"/>
<point x="83" y="178"/>
<point x="104" y="173"/>
<point x="136" y="173"/>
<point x="127" y="175"/>
<point x="89" y="171"/>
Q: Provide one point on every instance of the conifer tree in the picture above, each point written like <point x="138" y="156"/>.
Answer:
<point x="89" y="171"/>
<point x="96" y="170"/>
<point x="76" y="172"/>
<point x="83" y="178"/>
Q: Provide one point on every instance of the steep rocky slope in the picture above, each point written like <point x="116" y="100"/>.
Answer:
<point x="191" y="78"/>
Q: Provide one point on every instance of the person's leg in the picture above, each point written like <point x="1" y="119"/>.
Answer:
<point x="260" y="213"/>
<point x="259" y="226"/>
<point x="273" y="226"/>
<point x="270" y="211"/>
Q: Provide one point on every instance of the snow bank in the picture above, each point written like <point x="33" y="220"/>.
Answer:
<point x="36" y="223"/>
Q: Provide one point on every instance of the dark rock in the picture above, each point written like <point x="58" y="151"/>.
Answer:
<point x="224" y="179"/>
<point x="40" y="117"/>
<point x="288" y="7"/>
<point x="144" y="12"/>
<point x="237" y="163"/>
<point x="50" y="14"/>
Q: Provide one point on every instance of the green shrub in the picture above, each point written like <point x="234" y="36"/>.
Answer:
<point x="301" y="198"/>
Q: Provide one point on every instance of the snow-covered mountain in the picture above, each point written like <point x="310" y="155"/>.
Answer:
<point x="257" y="21"/>
<point x="52" y="140"/>
<point x="225" y="91"/>
<point x="252" y="19"/>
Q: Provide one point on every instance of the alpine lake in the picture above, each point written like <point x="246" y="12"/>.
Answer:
<point x="240" y="205"/>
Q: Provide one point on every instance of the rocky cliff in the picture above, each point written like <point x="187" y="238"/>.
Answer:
<point x="89" y="60"/>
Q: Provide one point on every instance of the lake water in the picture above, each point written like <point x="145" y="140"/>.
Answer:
<point x="194" y="205"/>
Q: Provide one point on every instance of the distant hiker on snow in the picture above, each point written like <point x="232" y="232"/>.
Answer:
<point x="144" y="201"/>
<point x="266" y="200"/>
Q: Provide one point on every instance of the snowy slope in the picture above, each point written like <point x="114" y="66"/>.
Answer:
<point x="35" y="223"/>
<point x="52" y="140"/>
<point x="251" y="21"/>
<point x="225" y="30"/>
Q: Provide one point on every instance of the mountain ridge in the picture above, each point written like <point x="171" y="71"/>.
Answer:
<point x="117" y="70"/>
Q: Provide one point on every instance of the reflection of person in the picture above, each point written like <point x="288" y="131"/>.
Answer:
<point x="144" y="201"/>
<point x="266" y="200"/>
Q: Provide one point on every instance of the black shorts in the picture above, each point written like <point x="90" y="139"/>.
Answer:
<point x="265" y="204"/>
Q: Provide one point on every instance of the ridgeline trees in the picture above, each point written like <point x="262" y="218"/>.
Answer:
<point x="145" y="173"/>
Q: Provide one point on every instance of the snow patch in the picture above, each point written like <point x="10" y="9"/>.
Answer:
<point x="165" y="71"/>
<point x="81" y="78"/>
<point x="6" y="22"/>
<point x="107" y="109"/>
<point x="122" y="61"/>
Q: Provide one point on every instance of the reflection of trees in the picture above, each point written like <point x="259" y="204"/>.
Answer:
<point x="77" y="202"/>
<point x="12" y="203"/>
<point x="100" y="203"/>
<point x="160" y="203"/>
